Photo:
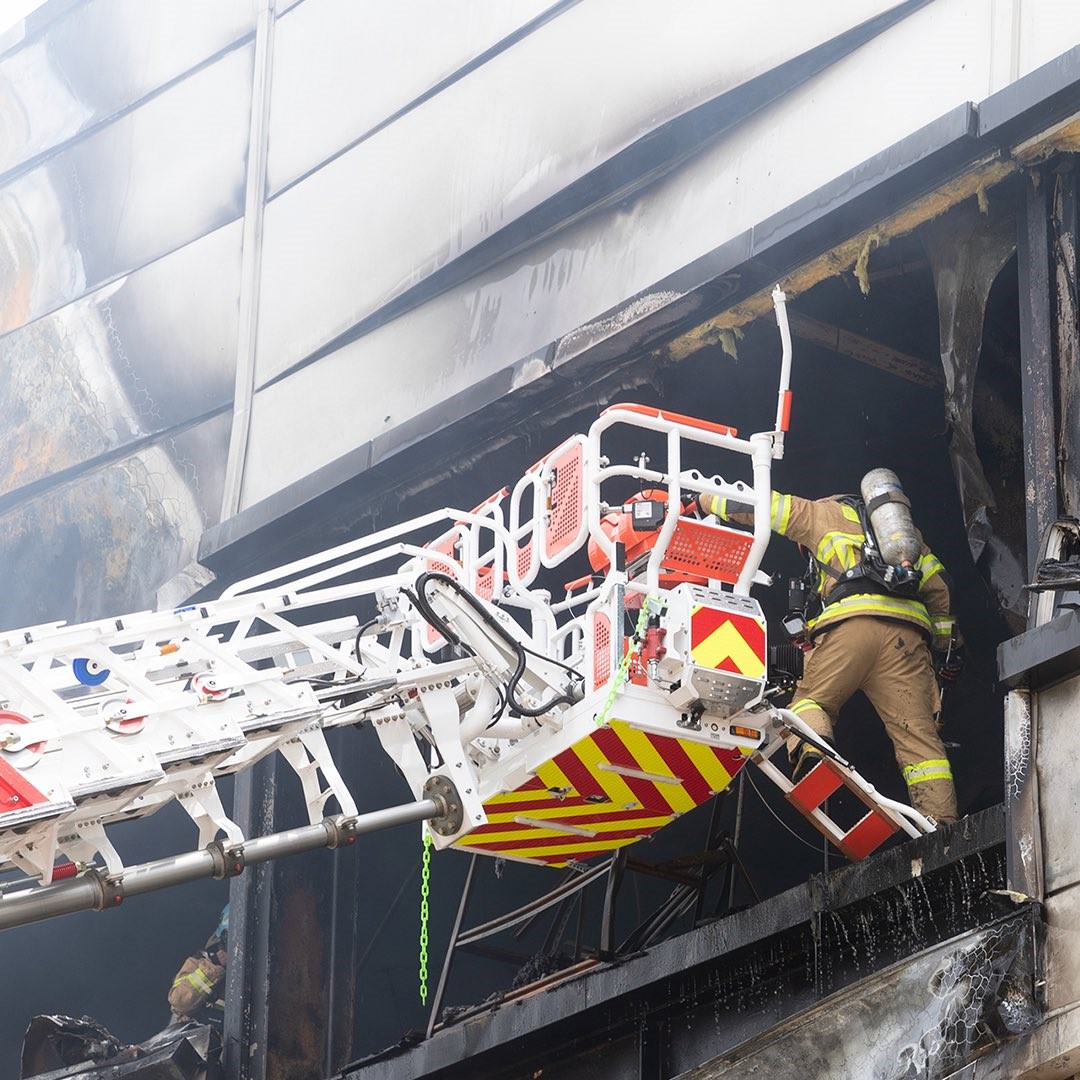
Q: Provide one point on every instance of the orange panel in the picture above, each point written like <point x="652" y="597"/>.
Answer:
<point x="567" y="501"/>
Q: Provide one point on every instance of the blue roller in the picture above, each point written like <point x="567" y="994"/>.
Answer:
<point x="89" y="672"/>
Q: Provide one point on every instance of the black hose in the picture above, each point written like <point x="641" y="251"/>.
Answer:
<point x="429" y="615"/>
<point x="356" y="644"/>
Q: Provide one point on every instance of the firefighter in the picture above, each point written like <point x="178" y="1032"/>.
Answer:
<point x="870" y="635"/>
<point x="197" y="992"/>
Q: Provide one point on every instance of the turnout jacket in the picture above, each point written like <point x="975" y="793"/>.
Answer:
<point x="194" y="990"/>
<point x="832" y="532"/>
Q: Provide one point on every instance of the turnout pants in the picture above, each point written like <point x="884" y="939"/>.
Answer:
<point x="890" y="662"/>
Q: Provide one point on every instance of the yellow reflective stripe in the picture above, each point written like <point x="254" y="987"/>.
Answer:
<point x="196" y="978"/>
<point x="781" y="512"/>
<point x="846" y="548"/>
<point x="706" y="763"/>
<point x="807" y="703"/>
<point x="713" y="504"/>
<point x="943" y="625"/>
<point x="928" y="565"/>
<point x="558" y="847"/>
<point x="849" y="512"/>
<point x="648" y="757"/>
<point x="932" y="769"/>
<point x="874" y="604"/>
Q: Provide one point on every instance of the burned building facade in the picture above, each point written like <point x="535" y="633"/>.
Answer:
<point x="296" y="270"/>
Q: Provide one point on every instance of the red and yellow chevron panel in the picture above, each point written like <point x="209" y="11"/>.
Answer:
<point x="726" y="641"/>
<point x="612" y="788"/>
<point x="16" y="793"/>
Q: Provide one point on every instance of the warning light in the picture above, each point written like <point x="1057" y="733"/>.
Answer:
<point x="745" y="732"/>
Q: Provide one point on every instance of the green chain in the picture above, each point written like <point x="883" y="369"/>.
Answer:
<point x="624" y="664"/>
<point x="425" y="878"/>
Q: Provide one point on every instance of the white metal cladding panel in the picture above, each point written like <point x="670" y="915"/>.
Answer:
<point x="1063" y="949"/>
<point x="1055" y="717"/>
<point x="489" y="148"/>
<point x="146" y="183"/>
<point x="342" y="67"/>
<point x="858" y="107"/>
<point x="101" y="57"/>
<point x="1029" y="33"/>
<point x="130" y="354"/>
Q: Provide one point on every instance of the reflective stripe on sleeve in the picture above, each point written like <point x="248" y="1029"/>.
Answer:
<point x="928" y="565"/>
<point x="781" y="512"/>
<point x="198" y="980"/>
<point x="932" y="769"/>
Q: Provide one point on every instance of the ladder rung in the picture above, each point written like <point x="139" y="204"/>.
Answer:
<point x="823" y="780"/>
<point x="815" y="787"/>
<point x="868" y="834"/>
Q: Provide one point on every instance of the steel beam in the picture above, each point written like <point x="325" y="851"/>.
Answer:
<point x="1036" y="364"/>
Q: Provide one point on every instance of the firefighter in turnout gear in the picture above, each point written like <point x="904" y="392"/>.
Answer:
<point x="197" y="992"/>
<point x="876" y="631"/>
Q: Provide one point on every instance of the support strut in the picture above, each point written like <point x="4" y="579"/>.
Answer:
<point x="94" y="891"/>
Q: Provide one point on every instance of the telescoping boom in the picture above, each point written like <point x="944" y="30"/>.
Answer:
<point x="530" y="722"/>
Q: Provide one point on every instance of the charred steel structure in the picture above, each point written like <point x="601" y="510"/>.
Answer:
<point x="382" y="286"/>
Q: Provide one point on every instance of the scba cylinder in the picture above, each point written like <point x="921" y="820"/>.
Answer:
<point x="890" y="517"/>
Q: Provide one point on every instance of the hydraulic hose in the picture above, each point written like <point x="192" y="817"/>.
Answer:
<point x="439" y="624"/>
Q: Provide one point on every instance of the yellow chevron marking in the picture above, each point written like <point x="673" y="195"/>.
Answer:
<point x="570" y="850"/>
<point x="716" y="776"/>
<point x="539" y="798"/>
<point x="557" y="826"/>
<point x="648" y="757"/>
<point x="612" y="784"/>
<point x="724" y="642"/>
<point x="521" y="831"/>
<point x="555" y="810"/>
<point x="552" y="776"/>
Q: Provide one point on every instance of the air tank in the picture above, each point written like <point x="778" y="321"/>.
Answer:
<point x="891" y="517"/>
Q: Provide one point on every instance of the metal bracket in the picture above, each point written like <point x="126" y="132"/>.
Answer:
<point x="442" y="787"/>
<point x="341" y="830"/>
<point x="228" y="861"/>
<point x="111" y="889"/>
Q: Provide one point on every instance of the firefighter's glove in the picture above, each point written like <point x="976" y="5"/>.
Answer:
<point x="951" y="666"/>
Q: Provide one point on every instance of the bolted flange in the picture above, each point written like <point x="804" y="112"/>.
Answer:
<point x="442" y="788"/>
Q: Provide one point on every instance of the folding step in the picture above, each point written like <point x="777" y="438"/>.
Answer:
<point x="823" y="780"/>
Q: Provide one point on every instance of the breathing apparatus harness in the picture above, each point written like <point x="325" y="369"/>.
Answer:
<point x="872" y="574"/>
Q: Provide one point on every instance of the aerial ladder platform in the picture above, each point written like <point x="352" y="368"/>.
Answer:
<point x="531" y="722"/>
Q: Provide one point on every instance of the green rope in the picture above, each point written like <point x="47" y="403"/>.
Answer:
<point x="425" y="878"/>
<point x="624" y="664"/>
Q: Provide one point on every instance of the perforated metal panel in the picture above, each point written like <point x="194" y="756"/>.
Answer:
<point x="447" y="545"/>
<point x="709" y="550"/>
<point x="526" y="557"/>
<point x="601" y="649"/>
<point x="567" y="512"/>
